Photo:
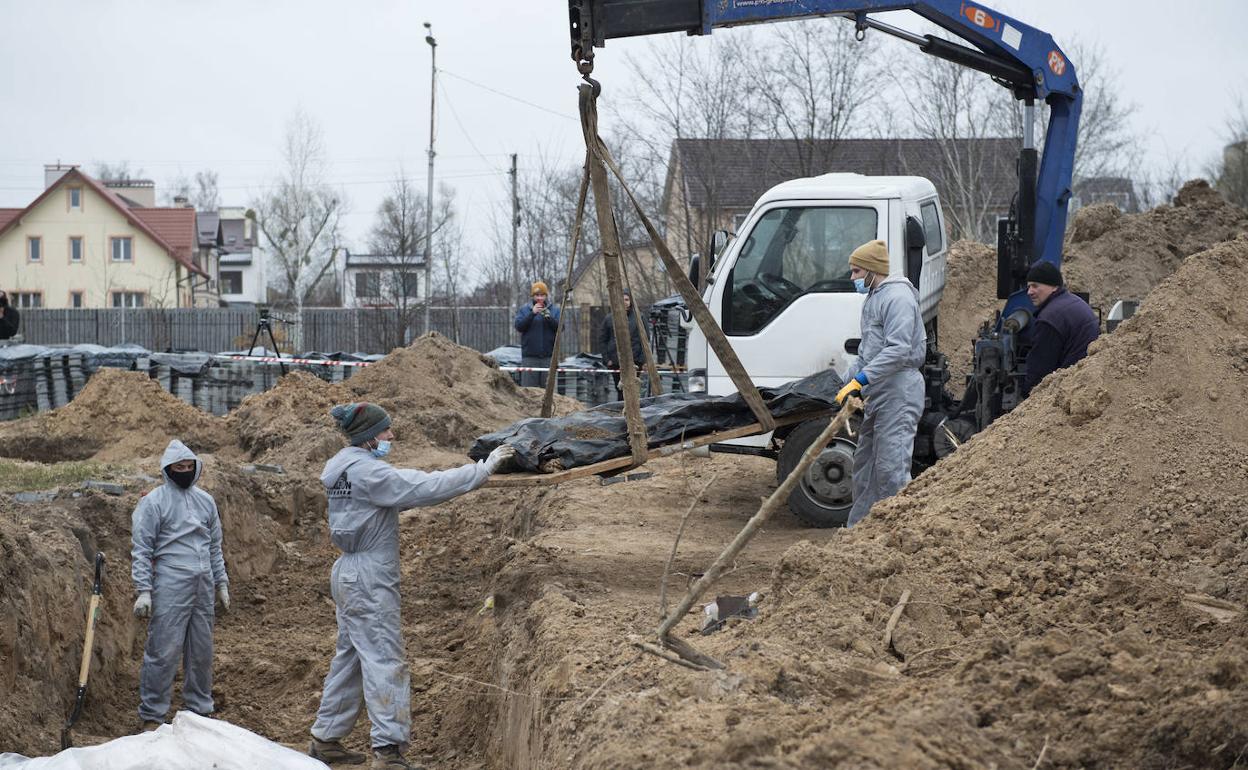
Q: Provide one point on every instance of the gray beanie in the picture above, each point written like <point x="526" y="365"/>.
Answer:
<point x="361" y="422"/>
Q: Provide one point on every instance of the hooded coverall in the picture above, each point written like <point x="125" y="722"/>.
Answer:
<point x="366" y="495"/>
<point x="892" y="350"/>
<point x="176" y="554"/>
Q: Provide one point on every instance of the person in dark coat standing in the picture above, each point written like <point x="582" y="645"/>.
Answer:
<point x="1063" y="328"/>
<point x="537" y="321"/>
<point x="610" y="350"/>
<point x="10" y="319"/>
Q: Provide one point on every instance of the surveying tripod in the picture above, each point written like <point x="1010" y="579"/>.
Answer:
<point x="265" y="325"/>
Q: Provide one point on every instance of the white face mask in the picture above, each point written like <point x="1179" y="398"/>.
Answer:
<point x="381" y="450"/>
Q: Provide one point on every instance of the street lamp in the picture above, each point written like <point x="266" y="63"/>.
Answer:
<point x="433" y="91"/>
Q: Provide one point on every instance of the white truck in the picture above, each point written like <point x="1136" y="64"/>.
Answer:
<point x="780" y="290"/>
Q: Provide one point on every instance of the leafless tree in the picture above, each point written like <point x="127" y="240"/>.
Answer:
<point x="1231" y="172"/>
<point x="201" y="191"/>
<point x="814" y="82"/>
<point x="117" y="172"/>
<point x="398" y="236"/>
<point x="299" y="214"/>
<point x="954" y="109"/>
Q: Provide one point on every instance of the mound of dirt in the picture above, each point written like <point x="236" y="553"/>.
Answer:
<point x="1124" y="257"/>
<point x="969" y="300"/>
<point x="1108" y="254"/>
<point x="119" y="415"/>
<point x="1077" y="583"/>
<point x="289" y="424"/>
<point x="447" y="393"/>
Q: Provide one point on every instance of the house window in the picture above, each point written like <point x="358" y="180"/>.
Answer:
<point x="75" y="198"/>
<point x="34" y="249"/>
<point x="368" y="285"/>
<point x="409" y="284"/>
<point x="127" y="299"/>
<point x="123" y="249"/>
<point x="75" y="249"/>
<point x="75" y="299"/>
<point x="27" y="299"/>
<point x="231" y="281"/>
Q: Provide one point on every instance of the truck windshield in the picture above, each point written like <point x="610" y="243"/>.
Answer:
<point x="790" y="252"/>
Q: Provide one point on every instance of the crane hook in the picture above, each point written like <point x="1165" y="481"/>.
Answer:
<point x="860" y="26"/>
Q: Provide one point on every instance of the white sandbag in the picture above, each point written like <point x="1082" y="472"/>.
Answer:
<point x="191" y="742"/>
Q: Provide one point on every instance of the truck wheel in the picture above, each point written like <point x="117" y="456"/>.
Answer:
<point x="825" y="493"/>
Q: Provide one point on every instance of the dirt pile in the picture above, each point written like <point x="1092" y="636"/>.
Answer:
<point x="969" y="300"/>
<point x="450" y="394"/>
<point x="1108" y="254"/>
<point x="1077" y="579"/>
<point x="118" y="415"/>
<point x="289" y="425"/>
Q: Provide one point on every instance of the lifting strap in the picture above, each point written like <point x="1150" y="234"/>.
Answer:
<point x="706" y="322"/>
<point x="548" y="400"/>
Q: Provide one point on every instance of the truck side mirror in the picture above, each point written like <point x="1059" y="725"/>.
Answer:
<point x="695" y="271"/>
<point x="916" y="241"/>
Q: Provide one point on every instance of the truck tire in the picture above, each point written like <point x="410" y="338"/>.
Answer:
<point x="825" y="494"/>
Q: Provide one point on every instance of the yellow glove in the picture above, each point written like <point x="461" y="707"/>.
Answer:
<point x="854" y="388"/>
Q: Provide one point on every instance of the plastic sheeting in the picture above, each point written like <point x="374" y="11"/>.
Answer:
<point x="601" y="433"/>
<point x="191" y="742"/>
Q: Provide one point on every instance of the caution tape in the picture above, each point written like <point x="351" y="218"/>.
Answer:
<point x="300" y="361"/>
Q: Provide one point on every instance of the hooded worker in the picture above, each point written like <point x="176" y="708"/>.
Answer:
<point x="887" y="374"/>
<point x="177" y="565"/>
<point x="366" y="494"/>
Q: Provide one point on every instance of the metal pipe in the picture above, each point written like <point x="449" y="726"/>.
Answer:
<point x="433" y="92"/>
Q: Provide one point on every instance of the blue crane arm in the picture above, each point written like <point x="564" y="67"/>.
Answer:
<point x="1020" y="57"/>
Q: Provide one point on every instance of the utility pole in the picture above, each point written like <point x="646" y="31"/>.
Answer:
<point x="515" y="237"/>
<point x="433" y="92"/>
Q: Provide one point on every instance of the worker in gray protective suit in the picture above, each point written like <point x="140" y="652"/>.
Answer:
<point x="366" y="494"/>
<point x="887" y="375"/>
<point x="177" y="565"/>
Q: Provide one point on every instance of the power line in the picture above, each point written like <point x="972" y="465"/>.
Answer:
<point x="505" y="95"/>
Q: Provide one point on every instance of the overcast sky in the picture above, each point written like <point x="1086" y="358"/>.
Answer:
<point x="175" y="86"/>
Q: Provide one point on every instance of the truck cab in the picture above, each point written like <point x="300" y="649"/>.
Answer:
<point x="781" y="292"/>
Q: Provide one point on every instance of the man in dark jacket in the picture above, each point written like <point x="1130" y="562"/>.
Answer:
<point x="10" y="319"/>
<point x="537" y="320"/>
<point x="610" y="350"/>
<point x="1063" y="328"/>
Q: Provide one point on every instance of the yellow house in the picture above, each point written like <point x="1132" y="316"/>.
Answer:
<point x="83" y="245"/>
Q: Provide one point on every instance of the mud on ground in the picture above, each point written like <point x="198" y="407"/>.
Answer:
<point x="1076" y="578"/>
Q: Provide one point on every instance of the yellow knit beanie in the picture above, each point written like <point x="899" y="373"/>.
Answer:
<point x="872" y="256"/>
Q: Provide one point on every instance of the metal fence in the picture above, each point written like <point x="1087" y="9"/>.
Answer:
<point x="324" y="329"/>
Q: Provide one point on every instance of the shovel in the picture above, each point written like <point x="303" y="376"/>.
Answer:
<point x="93" y="612"/>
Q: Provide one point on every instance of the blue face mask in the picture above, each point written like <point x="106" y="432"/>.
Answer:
<point x="381" y="450"/>
<point x="860" y="285"/>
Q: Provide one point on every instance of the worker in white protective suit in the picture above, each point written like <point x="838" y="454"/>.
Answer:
<point x="887" y="375"/>
<point x="177" y="565"/>
<point x="366" y="494"/>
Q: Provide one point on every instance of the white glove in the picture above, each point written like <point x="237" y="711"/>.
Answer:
<point x="501" y="454"/>
<point x="223" y="595"/>
<point x="143" y="605"/>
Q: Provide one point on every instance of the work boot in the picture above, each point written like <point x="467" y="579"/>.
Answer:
<point x="149" y="725"/>
<point x="390" y="758"/>
<point x="334" y="753"/>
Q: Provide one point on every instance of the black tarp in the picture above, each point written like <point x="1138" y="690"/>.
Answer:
<point x="601" y="433"/>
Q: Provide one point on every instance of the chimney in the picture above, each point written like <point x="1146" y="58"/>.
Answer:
<point x="52" y="172"/>
<point x="141" y="192"/>
<point x="181" y="202"/>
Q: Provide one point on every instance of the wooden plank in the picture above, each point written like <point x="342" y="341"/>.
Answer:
<point x="617" y="463"/>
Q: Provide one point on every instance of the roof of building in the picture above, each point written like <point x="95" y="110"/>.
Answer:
<point x="384" y="260"/>
<point x="733" y="173"/>
<point x="206" y="225"/>
<point x="173" y="229"/>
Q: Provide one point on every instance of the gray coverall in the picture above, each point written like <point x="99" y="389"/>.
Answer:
<point x="366" y="495"/>
<point x="175" y="553"/>
<point x="893" y="348"/>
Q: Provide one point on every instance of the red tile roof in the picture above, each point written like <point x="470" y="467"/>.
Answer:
<point x="173" y="229"/>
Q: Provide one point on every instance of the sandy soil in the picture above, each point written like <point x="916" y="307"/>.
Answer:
<point x="1076" y="578"/>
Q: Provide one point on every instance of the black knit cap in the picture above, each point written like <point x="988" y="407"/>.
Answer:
<point x="361" y="421"/>
<point x="1044" y="272"/>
